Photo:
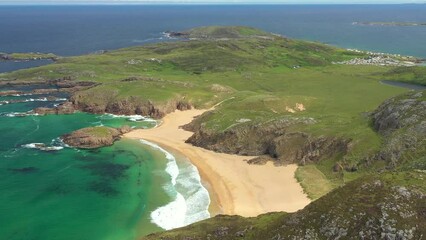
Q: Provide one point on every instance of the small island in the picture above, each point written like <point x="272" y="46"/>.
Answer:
<point x="94" y="137"/>
<point x="396" y="24"/>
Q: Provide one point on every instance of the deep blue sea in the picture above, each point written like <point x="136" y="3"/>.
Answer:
<point x="74" y="30"/>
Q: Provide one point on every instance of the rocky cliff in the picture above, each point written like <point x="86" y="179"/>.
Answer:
<point x="85" y="97"/>
<point x="126" y="106"/>
<point x="274" y="138"/>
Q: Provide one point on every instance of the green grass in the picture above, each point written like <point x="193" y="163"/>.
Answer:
<point x="98" y="132"/>
<point x="313" y="181"/>
<point x="258" y="77"/>
<point x="227" y="32"/>
<point x="415" y="75"/>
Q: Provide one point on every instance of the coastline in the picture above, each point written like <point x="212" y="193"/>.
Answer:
<point x="235" y="187"/>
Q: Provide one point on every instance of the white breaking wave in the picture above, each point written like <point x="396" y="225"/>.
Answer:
<point x="59" y="143"/>
<point x="191" y="199"/>
<point x="172" y="168"/>
<point x="196" y="195"/>
<point x="133" y="118"/>
<point x="33" y="100"/>
<point x="42" y="146"/>
<point x="56" y="145"/>
<point x="32" y="145"/>
<point x="23" y="94"/>
<point x="19" y="114"/>
<point x="36" y="100"/>
<point x="168" y="35"/>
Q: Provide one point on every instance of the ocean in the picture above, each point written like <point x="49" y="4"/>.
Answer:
<point x="121" y="192"/>
<point x="134" y="188"/>
<point x="76" y="30"/>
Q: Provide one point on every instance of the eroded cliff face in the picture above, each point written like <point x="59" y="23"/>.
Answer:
<point x="402" y="123"/>
<point x="274" y="138"/>
<point x="98" y="101"/>
<point x="129" y="106"/>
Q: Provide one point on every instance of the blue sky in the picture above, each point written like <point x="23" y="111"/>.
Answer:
<point x="206" y="1"/>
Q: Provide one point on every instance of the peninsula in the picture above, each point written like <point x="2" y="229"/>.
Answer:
<point x="273" y="124"/>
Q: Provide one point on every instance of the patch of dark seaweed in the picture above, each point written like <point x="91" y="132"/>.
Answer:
<point x="59" y="189"/>
<point x="104" y="188"/>
<point x="24" y="170"/>
<point x="107" y="170"/>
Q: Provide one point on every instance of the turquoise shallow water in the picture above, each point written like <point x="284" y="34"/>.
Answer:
<point x="108" y="193"/>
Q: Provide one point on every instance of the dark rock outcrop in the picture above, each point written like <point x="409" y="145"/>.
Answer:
<point x="64" y="108"/>
<point x="177" y="34"/>
<point x="271" y="138"/>
<point x="94" y="137"/>
<point x="402" y="122"/>
<point x="109" y="103"/>
<point x="10" y="93"/>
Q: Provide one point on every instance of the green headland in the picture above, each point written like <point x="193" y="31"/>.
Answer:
<point x="360" y="143"/>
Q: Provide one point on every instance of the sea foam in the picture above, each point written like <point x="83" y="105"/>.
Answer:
<point x="133" y="118"/>
<point x="18" y="114"/>
<point x="42" y="147"/>
<point x="191" y="199"/>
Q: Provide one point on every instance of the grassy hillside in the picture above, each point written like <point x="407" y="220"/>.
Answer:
<point x="264" y="79"/>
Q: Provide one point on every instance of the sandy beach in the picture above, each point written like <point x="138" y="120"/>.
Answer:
<point x="236" y="187"/>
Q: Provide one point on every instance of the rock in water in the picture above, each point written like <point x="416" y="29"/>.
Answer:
<point x="94" y="137"/>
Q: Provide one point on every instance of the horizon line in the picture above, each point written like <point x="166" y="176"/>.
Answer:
<point x="115" y="3"/>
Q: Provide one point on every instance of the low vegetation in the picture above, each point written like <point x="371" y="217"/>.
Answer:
<point x="283" y="98"/>
<point x="313" y="181"/>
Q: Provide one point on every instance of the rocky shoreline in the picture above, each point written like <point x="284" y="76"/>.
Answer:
<point x="33" y="56"/>
<point x="271" y="141"/>
<point x="77" y="100"/>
